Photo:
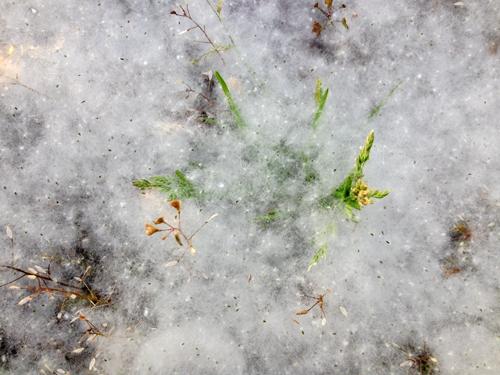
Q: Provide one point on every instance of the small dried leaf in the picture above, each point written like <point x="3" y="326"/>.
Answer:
<point x="302" y="312"/>
<point x="25" y="300"/>
<point x="177" y="236"/>
<point x="329" y="3"/>
<point x="317" y="28"/>
<point x="406" y="364"/>
<point x="91" y="338"/>
<point x="31" y="277"/>
<point x="32" y="270"/>
<point x="72" y="296"/>
<point x="8" y="232"/>
<point x="78" y="350"/>
<point x="91" y="364"/>
<point x="343" y="310"/>
<point x="60" y="371"/>
<point x="171" y="263"/>
<point x="40" y="269"/>
<point x="344" y="23"/>
<point x="14" y="287"/>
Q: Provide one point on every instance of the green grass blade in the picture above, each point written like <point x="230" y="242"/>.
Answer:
<point x="320" y="97"/>
<point x="377" y="108"/>
<point x="230" y="101"/>
<point x="318" y="255"/>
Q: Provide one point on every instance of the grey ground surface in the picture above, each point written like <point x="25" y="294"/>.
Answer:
<point x="95" y="94"/>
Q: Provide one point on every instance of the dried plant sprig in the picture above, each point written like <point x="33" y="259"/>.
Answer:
<point x="175" y="229"/>
<point x="327" y="12"/>
<point x="44" y="283"/>
<point x="184" y="12"/>
<point x="92" y="331"/>
<point x="320" y="302"/>
<point x="419" y="359"/>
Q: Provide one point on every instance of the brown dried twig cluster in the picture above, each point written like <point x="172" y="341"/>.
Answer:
<point x="327" y="12"/>
<point x="43" y="283"/>
<point x="319" y="301"/>
<point x="184" y="12"/>
<point x="419" y="360"/>
<point x="175" y="229"/>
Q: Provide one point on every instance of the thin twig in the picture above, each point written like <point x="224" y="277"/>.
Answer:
<point x="185" y="13"/>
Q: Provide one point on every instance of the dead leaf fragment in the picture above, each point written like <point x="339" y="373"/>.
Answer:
<point x="343" y="310"/>
<point x="8" y="232"/>
<point x="177" y="237"/>
<point x="92" y="364"/>
<point x="344" y="23"/>
<point x="25" y="300"/>
<point x="317" y="28"/>
<point x="176" y="204"/>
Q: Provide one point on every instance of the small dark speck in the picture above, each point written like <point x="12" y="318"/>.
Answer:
<point x="388" y="242"/>
<point x="264" y="321"/>
<point x="83" y="101"/>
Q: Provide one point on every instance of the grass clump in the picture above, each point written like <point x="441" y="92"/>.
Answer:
<point x="176" y="186"/>
<point x="321" y="253"/>
<point x="354" y="193"/>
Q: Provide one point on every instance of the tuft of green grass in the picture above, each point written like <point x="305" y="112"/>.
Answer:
<point x="377" y="108"/>
<point x="353" y="193"/>
<point x="240" y="123"/>
<point x="321" y="253"/>
<point x="269" y="218"/>
<point x="176" y="186"/>
<point x="320" y="97"/>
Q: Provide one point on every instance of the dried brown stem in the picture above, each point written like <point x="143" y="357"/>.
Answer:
<point x="185" y="13"/>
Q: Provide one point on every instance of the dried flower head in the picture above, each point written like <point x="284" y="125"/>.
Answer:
<point x="176" y="204"/>
<point x="361" y="191"/>
<point x="160" y="220"/>
<point x="175" y="228"/>
<point x="151" y="229"/>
